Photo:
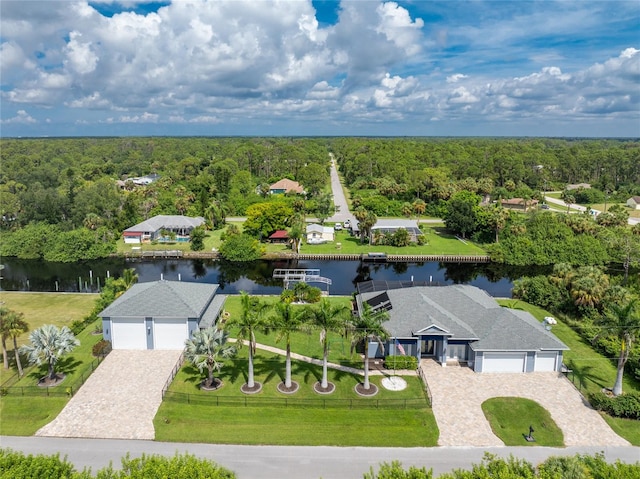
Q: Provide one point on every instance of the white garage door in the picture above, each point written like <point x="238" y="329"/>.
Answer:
<point x="169" y="333"/>
<point x="128" y="334"/>
<point x="503" y="362"/>
<point x="545" y="361"/>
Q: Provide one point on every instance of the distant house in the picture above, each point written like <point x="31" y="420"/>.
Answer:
<point x="144" y="180"/>
<point x="286" y="185"/>
<point x="280" y="236"/>
<point x="390" y="226"/>
<point x="519" y="204"/>
<point x="577" y="186"/>
<point x="634" y="202"/>
<point x="316" y="232"/>
<point x="153" y="228"/>
<point x="460" y="324"/>
<point x="160" y="314"/>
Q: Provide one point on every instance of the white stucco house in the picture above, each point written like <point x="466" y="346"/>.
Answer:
<point x="634" y="202"/>
<point x="319" y="233"/>
<point x="151" y="229"/>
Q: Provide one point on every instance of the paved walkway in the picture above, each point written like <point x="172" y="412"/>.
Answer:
<point x="119" y="400"/>
<point x="458" y="393"/>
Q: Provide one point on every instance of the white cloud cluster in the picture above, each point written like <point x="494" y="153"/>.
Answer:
<point x="229" y="61"/>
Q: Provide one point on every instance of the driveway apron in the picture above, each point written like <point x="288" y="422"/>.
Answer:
<point x="458" y="394"/>
<point x="119" y="400"/>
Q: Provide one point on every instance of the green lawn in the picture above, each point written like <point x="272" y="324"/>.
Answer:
<point x="339" y="419"/>
<point x="439" y="242"/>
<point x="39" y="309"/>
<point x="506" y="415"/>
<point x="24" y="415"/>
<point x="591" y="371"/>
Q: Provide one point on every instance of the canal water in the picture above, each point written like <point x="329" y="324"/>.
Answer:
<point x="255" y="277"/>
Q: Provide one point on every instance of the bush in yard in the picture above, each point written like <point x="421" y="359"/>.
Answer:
<point x="401" y="362"/>
<point x="15" y="465"/>
<point x="101" y="348"/>
<point x="626" y="405"/>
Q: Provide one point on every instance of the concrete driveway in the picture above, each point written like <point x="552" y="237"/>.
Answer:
<point x="119" y="400"/>
<point x="458" y="393"/>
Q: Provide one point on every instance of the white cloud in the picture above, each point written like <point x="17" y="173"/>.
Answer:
<point x="21" y="117"/>
<point x="455" y="78"/>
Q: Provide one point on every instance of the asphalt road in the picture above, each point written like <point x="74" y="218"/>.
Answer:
<point x="287" y="462"/>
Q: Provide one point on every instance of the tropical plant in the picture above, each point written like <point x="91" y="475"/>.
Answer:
<point x="129" y="277"/>
<point x="287" y="319"/>
<point x="621" y="321"/>
<point x="364" y="327"/>
<point x="5" y="334"/>
<point x="327" y="318"/>
<point x="205" y="349"/>
<point x="419" y="207"/>
<point x="16" y="325"/>
<point x="251" y="319"/>
<point x="49" y="343"/>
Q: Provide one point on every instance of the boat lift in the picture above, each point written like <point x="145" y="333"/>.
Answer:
<point x="301" y="275"/>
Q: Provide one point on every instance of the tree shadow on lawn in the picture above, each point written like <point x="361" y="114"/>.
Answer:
<point x="65" y="366"/>
<point x="581" y="374"/>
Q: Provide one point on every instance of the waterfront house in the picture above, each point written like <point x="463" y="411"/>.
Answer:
<point x="155" y="229"/>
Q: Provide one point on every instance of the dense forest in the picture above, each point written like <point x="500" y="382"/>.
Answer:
<point x="75" y="194"/>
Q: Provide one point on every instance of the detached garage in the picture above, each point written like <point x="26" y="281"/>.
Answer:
<point x="160" y="314"/>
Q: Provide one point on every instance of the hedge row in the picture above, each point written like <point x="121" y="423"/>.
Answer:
<point x="401" y="362"/>
<point x="625" y="406"/>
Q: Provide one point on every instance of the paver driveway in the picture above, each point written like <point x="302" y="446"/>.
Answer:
<point x="458" y="394"/>
<point x="119" y="400"/>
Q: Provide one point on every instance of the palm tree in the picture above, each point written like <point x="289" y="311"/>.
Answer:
<point x="419" y="207"/>
<point x="205" y="349"/>
<point x="327" y="318"/>
<point x="4" y="334"/>
<point x="49" y="343"/>
<point x="129" y="277"/>
<point x="286" y="321"/>
<point x="499" y="218"/>
<point x="251" y="318"/>
<point x="367" y="326"/>
<point x="623" y="323"/>
<point x="16" y="325"/>
<point x="407" y="209"/>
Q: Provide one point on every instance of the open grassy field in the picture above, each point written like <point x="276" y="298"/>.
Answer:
<point x="506" y="416"/>
<point x="591" y="371"/>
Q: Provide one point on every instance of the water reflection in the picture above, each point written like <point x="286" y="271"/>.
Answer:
<point x="255" y="277"/>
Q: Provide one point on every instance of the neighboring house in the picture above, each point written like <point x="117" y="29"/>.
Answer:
<point x="519" y="204"/>
<point x="634" y="202"/>
<point x="279" y="236"/>
<point x="286" y="185"/>
<point x="386" y="226"/>
<point x="461" y="323"/>
<point x="316" y="232"/>
<point x="144" y="180"/>
<point x="160" y="314"/>
<point x="151" y="229"/>
<point x="577" y="186"/>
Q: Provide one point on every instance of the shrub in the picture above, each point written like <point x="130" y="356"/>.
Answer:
<point x="625" y="406"/>
<point x="401" y="362"/>
<point x="101" y="348"/>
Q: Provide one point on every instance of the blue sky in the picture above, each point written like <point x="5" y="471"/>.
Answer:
<point x="302" y="67"/>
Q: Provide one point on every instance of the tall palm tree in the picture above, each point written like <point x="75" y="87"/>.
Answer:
<point x="205" y="349"/>
<point x="419" y="207"/>
<point x="327" y="318"/>
<point x="285" y="321"/>
<point x="4" y="334"/>
<point x="251" y="319"/>
<point x="49" y="343"/>
<point x="622" y="322"/>
<point x="367" y="326"/>
<point x="16" y="325"/>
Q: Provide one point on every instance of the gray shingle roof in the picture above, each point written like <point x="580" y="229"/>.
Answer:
<point x="213" y="311"/>
<point x="465" y="312"/>
<point x="167" y="221"/>
<point x="163" y="299"/>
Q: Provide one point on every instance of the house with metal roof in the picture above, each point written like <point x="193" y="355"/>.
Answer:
<point x="319" y="233"/>
<point x="462" y="324"/>
<point x="154" y="228"/>
<point x="160" y="314"/>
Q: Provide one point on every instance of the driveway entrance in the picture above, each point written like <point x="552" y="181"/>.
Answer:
<point x="119" y="400"/>
<point x="458" y="393"/>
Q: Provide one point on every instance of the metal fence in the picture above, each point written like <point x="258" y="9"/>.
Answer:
<point x="427" y="391"/>
<point x="174" y="371"/>
<point x="317" y="403"/>
<point x="62" y="390"/>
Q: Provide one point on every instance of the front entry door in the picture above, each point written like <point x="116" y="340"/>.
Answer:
<point x="428" y="347"/>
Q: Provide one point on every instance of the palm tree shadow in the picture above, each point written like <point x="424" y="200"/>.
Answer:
<point x="581" y="374"/>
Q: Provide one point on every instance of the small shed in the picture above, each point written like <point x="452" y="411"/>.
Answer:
<point x="279" y="236"/>
<point x="634" y="202"/>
